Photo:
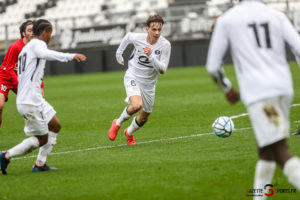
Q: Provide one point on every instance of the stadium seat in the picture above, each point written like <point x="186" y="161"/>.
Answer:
<point x="82" y="13"/>
<point x="2" y="33"/>
<point x="278" y="5"/>
<point x="83" y="22"/>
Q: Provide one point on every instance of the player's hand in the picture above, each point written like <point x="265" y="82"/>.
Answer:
<point x="79" y="57"/>
<point x="120" y="59"/>
<point x="147" y="51"/>
<point x="233" y="96"/>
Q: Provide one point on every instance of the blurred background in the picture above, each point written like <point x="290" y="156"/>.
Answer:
<point x="96" y="27"/>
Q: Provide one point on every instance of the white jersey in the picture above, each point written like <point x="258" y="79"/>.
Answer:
<point x="145" y="68"/>
<point x="31" y="64"/>
<point x="256" y="35"/>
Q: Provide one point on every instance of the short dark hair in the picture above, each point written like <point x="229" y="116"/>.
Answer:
<point x="23" y="27"/>
<point x="154" y="18"/>
<point x="40" y="25"/>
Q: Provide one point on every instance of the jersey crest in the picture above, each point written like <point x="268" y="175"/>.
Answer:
<point x="157" y="52"/>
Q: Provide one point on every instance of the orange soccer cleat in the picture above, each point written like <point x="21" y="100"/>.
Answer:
<point x="130" y="138"/>
<point x="113" y="131"/>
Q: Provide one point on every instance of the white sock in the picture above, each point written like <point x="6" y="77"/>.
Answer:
<point x="291" y="170"/>
<point x="123" y="117"/>
<point x="264" y="172"/>
<point x="26" y="146"/>
<point x="46" y="149"/>
<point x="133" y="127"/>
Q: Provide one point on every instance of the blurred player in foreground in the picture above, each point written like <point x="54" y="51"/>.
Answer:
<point x="149" y="58"/>
<point x="8" y="69"/>
<point x="256" y="35"/>
<point x="41" y="123"/>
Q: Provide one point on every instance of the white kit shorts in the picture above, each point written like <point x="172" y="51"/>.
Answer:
<point x="36" y="118"/>
<point x="136" y="88"/>
<point x="270" y="119"/>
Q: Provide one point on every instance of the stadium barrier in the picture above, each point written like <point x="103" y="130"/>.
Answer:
<point x="102" y="59"/>
<point x="188" y="36"/>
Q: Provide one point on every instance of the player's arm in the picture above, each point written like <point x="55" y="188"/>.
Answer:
<point x="44" y="53"/>
<point x="291" y="37"/>
<point x="162" y="64"/>
<point x="12" y="57"/>
<point x="218" y="46"/>
<point x="42" y="88"/>
<point x="12" y="62"/>
<point x="123" y="45"/>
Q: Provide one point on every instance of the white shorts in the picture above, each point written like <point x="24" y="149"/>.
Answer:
<point x="36" y="118"/>
<point x="270" y="119"/>
<point x="135" y="88"/>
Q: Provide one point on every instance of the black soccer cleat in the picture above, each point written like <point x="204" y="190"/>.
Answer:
<point x="43" y="168"/>
<point x="3" y="163"/>
<point x="297" y="132"/>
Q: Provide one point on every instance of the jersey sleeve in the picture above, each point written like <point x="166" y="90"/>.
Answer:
<point x="123" y="45"/>
<point x="11" y="57"/>
<point x="45" y="53"/>
<point x="162" y="64"/>
<point x="291" y="37"/>
<point x="218" y="46"/>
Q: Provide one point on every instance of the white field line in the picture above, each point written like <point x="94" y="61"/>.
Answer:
<point x="237" y="116"/>
<point x="138" y="143"/>
<point x="145" y="142"/>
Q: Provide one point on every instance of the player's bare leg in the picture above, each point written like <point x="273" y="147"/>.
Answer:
<point x="289" y="163"/>
<point x="25" y="147"/>
<point x="54" y="125"/>
<point x="135" y="106"/>
<point x="270" y="155"/>
<point x="142" y="118"/>
<point x="135" y="125"/>
<point x="40" y="164"/>
<point x="2" y="101"/>
<point x="136" y="103"/>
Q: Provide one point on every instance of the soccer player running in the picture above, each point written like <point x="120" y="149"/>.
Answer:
<point x="149" y="58"/>
<point x="257" y="35"/>
<point x="8" y="69"/>
<point x="41" y="123"/>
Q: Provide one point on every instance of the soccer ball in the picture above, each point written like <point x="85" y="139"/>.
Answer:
<point x="223" y="126"/>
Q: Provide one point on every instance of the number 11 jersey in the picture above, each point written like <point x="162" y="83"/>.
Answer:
<point x="256" y="35"/>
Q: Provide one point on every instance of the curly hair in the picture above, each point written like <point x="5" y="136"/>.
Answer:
<point x="40" y="25"/>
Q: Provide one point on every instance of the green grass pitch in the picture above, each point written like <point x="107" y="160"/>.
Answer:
<point x="172" y="161"/>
